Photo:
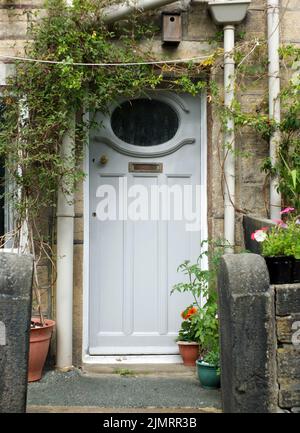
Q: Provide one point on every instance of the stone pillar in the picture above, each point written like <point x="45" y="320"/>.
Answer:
<point x="15" y="313"/>
<point x="248" y="337"/>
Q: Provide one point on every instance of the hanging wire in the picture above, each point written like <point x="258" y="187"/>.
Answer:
<point x="68" y="63"/>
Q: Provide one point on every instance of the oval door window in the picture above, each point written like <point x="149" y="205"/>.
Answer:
<point x="144" y="122"/>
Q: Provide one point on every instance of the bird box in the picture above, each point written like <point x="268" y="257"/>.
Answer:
<point x="171" y="28"/>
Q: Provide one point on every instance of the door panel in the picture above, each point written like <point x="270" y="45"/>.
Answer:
<point x="133" y="263"/>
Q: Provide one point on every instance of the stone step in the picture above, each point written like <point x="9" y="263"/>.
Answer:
<point x="140" y="369"/>
<point x="96" y="409"/>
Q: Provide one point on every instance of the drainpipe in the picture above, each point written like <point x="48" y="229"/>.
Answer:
<point x="274" y="100"/>
<point x="121" y="11"/>
<point x="228" y="14"/>
<point x="229" y="139"/>
<point x="64" y="283"/>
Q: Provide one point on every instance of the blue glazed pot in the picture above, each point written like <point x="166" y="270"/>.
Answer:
<point x="208" y="376"/>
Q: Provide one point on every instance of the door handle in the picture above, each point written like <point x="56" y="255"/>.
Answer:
<point x="103" y="159"/>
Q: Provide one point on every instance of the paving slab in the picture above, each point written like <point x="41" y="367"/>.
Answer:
<point x="78" y="391"/>
<point x="113" y="410"/>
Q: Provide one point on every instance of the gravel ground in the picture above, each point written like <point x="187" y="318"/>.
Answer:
<point x="116" y="391"/>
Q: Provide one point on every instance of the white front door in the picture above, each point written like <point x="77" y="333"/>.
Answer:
<point x="145" y="205"/>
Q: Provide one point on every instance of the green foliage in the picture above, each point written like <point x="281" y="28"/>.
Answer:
<point x="287" y="167"/>
<point x="189" y="328"/>
<point x="283" y="239"/>
<point x="202" y="326"/>
<point x="252" y="70"/>
<point x="213" y="358"/>
<point x="292" y="247"/>
<point x="41" y="97"/>
<point x="275" y="243"/>
<point x="126" y="372"/>
<point x="208" y="326"/>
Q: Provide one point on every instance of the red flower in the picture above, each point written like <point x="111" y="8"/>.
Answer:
<point x="186" y="314"/>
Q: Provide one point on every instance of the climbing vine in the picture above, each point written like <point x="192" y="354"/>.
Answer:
<point x="252" y="72"/>
<point x="62" y="76"/>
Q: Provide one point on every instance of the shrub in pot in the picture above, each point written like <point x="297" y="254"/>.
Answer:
<point x="293" y="248"/>
<point x="197" y="319"/>
<point x="208" y="366"/>
<point x="188" y="342"/>
<point x="208" y="370"/>
<point x="281" y="248"/>
<point x="41" y="330"/>
<point x="40" y="336"/>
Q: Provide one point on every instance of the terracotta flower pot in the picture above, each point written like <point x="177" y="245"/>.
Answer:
<point x="39" y="346"/>
<point x="189" y="352"/>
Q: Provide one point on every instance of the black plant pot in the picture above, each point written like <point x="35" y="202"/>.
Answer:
<point x="296" y="271"/>
<point x="280" y="269"/>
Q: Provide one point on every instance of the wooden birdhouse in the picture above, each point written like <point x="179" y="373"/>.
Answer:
<point x="171" y="28"/>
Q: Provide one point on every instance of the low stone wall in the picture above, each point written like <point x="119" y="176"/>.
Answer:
<point x="287" y="310"/>
<point x="15" y="313"/>
<point x="260" y="338"/>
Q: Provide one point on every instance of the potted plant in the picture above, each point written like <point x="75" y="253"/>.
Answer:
<point x="208" y="366"/>
<point x="293" y="246"/>
<point x="281" y="248"/>
<point x="40" y="331"/>
<point x="208" y="370"/>
<point x="201" y="284"/>
<point x="40" y="336"/>
<point x="187" y="337"/>
<point x="197" y="285"/>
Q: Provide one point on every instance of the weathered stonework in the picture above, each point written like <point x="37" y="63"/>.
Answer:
<point x="248" y="349"/>
<point x="288" y="352"/>
<point x="284" y="327"/>
<point x="15" y="312"/>
<point x="287" y="299"/>
<point x="260" y="366"/>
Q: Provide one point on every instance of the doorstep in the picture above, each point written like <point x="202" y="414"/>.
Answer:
<point x="140" y="369"/>
<point x="114" y="410"/>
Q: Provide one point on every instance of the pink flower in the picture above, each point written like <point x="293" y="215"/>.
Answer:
<point x="259" y="235"/>
<point x="287" y="210"/>
<point x="280" y="223"/>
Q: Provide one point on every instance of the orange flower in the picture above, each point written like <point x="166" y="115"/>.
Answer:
<point x="186" y="314"/>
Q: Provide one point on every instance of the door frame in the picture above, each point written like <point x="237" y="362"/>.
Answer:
<point x="133" y="359"/>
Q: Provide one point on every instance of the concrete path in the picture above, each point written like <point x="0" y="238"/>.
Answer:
<point x="75" y="391"/>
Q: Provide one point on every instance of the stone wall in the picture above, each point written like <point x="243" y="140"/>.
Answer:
<point x="287" y="310"/>
<point x="260" y="338"/>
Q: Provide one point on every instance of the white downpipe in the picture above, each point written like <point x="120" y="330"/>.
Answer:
<point x="229" y="139"/>
<point x="274" y="101"/>
<point x="121" y="11"/>
<point x="64" y="282"/>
